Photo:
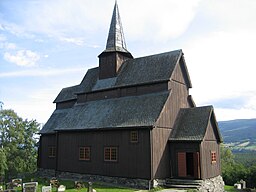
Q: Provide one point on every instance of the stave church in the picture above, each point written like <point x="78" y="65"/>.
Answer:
<point x="132" y="121"/>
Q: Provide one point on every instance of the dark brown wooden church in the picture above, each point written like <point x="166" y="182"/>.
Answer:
<point x="132" y="118"/>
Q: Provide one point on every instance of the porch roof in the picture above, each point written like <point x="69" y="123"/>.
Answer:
<point x="191" y="124"/>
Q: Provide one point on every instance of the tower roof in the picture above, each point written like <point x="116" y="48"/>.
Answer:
<point x="116" y="41"/>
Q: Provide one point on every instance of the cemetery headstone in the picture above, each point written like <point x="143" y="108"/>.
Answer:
<point x="30" y="187"/>
<point x="79" y="185"/>
<point x="61" y="188"/>
<point x="54" y="182"/>
<point x="47" y="189"/>
<point x="243" y="184"/>
<point x="17" y="182"/>
<point x="90" y="189"/>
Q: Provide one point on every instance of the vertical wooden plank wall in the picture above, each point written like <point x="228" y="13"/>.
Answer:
<point x="47" y="141"/>
<point x="209" y="144"/>
<point x="133" y="159"/>
<point x="160" y="153"/>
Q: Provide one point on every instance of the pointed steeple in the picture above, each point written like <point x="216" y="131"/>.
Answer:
<point x="112" y="58"/>
<point x="116" y="41"/>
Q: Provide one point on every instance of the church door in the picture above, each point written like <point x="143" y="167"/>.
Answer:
<point x="188" y="165"/>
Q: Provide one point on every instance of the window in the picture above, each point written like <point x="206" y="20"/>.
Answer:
<point x="110" y="154"/>
<point x="134" y="137"/>
<point x="84" y="153"/>
<point x="52" y="151"/>
<point x="213" y="155"/>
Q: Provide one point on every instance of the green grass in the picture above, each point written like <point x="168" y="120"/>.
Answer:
<point x="100" y="187"/>
<point x="230" y="188"/>
<point x="70" y="186"/>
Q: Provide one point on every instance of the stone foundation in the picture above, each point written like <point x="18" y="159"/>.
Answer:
<point x="116" y="181"/>
<point x="215" y="184"/>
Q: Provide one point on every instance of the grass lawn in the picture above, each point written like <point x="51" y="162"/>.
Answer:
<point x="70" y="186"/>
<point x="230" y="188"/>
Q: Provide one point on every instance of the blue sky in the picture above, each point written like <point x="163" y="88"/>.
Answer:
<point x="46" y="45"/>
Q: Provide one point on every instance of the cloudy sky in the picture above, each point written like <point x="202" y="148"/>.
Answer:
<point x="46" y="45"/>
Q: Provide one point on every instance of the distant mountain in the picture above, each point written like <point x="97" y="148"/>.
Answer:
<point x="239" y="134"/>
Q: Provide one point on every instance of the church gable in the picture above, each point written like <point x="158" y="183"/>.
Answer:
<point x="212" y="131"/>
<point x="181" y="74"/>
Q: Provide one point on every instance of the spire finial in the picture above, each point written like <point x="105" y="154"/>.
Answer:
<point x="116" y="41"/>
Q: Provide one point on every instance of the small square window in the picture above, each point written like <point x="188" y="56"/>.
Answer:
<point x="52" y="152"/>
<point x="134" y="137"/>
<point x="213" y="156"/>
<point x="84" y="153"/>
<point x="110" y="153"/>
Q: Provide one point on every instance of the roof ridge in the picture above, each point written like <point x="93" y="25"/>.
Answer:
<point x="158" y="54"/>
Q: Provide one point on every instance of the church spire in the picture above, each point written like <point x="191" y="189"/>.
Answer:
<point x="115" y="54"/>
<point x="116" y="41"/>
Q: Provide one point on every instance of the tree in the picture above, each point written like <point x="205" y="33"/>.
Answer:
<point x="18" y="141"/>
<point x="232" y="171"/>
<point x="3" y="162"/>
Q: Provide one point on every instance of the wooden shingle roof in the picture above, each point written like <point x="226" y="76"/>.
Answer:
<point x="149" y="69"/>
<point x="69" y="93"/>
<point x="132" y="111"/>
<point x="191" y="124"/>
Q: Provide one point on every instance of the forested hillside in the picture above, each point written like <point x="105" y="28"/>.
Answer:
<point x="239" y="135"/>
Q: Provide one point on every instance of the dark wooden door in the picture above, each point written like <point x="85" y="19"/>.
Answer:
<point x="188" y="165"/>
<point x="196" y="165"/>
<point x="182" y="164"/>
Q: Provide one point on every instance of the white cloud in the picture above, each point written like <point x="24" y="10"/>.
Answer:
<point x="41" y="72"/>
<point x="231" y="14"/>
<point x="221" y="65"/>
<point x="10" y="46"/>
<point x="230" y="114"/>
<point x="38" y="106"/>
<point x="76" y="41"/>
<point x="24" y="58"/>
<point x="2" y="38"/>
<point x="157" y="20"/>
<point x="220" y="57"/>
<point x="161" y="19"/>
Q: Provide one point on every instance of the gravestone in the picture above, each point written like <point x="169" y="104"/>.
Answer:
<point x="30" y="187"/>
<point x="61" y="188"/>
<point x="243" y="184"/>
<point x="237" y="186"/>
<point x="79" y="185"/>
<point x="17" y="182"/>
<point x="90" y="189"/>
<point x="47" y="189"/>
<point x="54" y="182"/>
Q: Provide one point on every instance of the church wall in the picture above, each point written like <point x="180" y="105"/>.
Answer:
<point x="107" y="65"/>
<point x="177" y="99"/>
<point x="210" y="169"/>
<point x="123" y="91"/>
<point x="65" y="104"/>
<point x="47" y="141"/>
<point x="160" y="153"/>
<point x="179" y="74"/>
<point x="133" y="160"/>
